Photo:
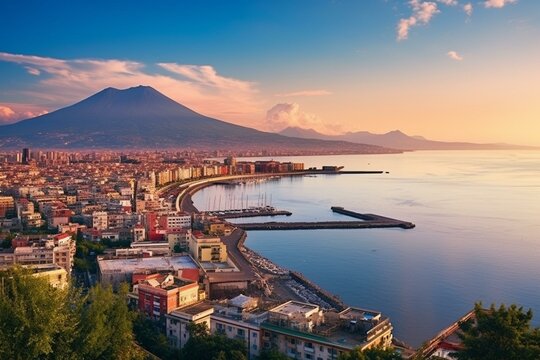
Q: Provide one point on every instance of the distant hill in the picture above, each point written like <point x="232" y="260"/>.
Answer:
<point x="143" y="118"/>
<point x="397" y="140"/>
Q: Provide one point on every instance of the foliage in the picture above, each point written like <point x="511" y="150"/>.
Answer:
<point x="38" y="321"/>
<point x="204" y="346"/>
<point x="115" y="244"/>
<point x="85" y="255"/>
<point x="148" y="333"/>
<point x="371" y="354"/>
<point x="499" y="333"/>
<point x="34" y="317"/>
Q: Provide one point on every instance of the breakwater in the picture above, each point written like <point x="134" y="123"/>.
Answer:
<point x="330" y="298"/>
<point x="323" y="225"/>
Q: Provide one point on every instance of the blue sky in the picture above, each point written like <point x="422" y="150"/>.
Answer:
<point x="330" y="65"/>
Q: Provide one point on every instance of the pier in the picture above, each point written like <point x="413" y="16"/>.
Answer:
<point x="368" y="221"/>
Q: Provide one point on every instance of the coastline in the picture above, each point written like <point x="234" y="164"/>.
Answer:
<point x="296" y="282"/>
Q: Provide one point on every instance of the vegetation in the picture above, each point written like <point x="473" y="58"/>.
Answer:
<point x="500" y="333"/>
<point x="371" y="354"/>
<point x="149" y="334"/>
<point x="204" y="346"/>
<point x="85" y="256"/>
<point x="38" y="321"/>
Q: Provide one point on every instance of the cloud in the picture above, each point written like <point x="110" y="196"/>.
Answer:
<point x="197" y="86"/>
<point x="284" y="115"/>
<point x="498" y="3"/>
<point x="448" y="2"/>
<point x="468" y="8"/>
<point x="6" y="113"/>
<point x="454" y="56"/>
<point x="10" y="113"/>
<point x="32" y="71"/>
<point x="305" y="93"/>
<point x="422" y="13"/>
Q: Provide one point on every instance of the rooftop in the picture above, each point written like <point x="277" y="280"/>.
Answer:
<point x="291" y="307"/>
<point x="173" y="263"/>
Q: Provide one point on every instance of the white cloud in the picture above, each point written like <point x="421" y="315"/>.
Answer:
<point x="32" y="71"/>
<point x="284" y="115"/>
<point x="10" y="113"/>
<point x="422" y="13"/>
<point x="454" y="55"/>
<point x="498" y="3"/>
<point x="305" y="93"/>
<point x="6" y="113"/>
<point x="198" y="87"/>
<point x="448" y="2"/>
<point x="468" y="8"/>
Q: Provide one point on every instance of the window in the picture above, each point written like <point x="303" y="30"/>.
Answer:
<point x="240" y="332"/>
<point x="229" y="328"/>
<point x="254" y="335"/>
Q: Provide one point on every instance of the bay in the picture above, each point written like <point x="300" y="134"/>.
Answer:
<point x="477" y="235"/>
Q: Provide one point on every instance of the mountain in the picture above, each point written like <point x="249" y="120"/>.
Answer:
<point x="396" y="140"/>
<point x="143" y="118"/>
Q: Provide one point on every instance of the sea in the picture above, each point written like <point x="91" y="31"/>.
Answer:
<point x="477" y="234"/>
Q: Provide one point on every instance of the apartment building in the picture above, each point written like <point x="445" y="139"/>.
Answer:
<point x="207" y="248"/>
<point x="304" y="331"/>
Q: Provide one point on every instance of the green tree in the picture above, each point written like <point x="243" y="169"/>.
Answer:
<point x="204" y="346"/>
<point x="36" y="320"/>
<point x="371" y="354"/>
<point x="107" y="325"/>
<point x="152" y="338"/>
<point x="499" y="333"/>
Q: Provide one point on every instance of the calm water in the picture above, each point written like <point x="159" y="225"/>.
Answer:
<point x="477" y="236"/>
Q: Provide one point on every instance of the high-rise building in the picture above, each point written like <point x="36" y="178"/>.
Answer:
<point x="25" y="155"/>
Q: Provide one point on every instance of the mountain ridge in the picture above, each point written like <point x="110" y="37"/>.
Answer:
<point x="398" y="140"/>
<point x="143" y="118"/>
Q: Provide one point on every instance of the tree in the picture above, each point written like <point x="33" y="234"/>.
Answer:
<point x="371" y="354"/>
<point x="107" y="325"/>
<point x="36" y="320"/>
<point x="204" y="346"/>
<point x="499" y="333"/>
<point x="152" y="338"/>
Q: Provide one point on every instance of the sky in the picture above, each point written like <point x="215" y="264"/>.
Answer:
<point x="449" y="70"/>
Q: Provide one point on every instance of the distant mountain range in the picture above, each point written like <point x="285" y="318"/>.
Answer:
<point x="397" y="140"/>
<point x="143" y="118"/>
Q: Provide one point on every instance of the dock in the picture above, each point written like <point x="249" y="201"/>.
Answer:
<point x="244" y="213"/>
<point x="368" y="221"/>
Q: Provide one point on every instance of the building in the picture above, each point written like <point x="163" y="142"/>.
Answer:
<point x="159" y="294"/>
<point x="7" y="207"/>
<point x="25" y="156"/>
<point x="56" y="276"/>
<point x="304" y="331"/>
<point x="100" y="220"/>
<point x="446" y="342"/>
<point x="116" y="271"/>
<point x="240" y="319"/>
<point x="207" y="248"/>
<point x="59" y="250"/>
<point x="177" y="321"/>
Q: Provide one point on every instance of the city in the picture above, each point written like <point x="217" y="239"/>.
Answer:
<point x="270" y="180"/>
